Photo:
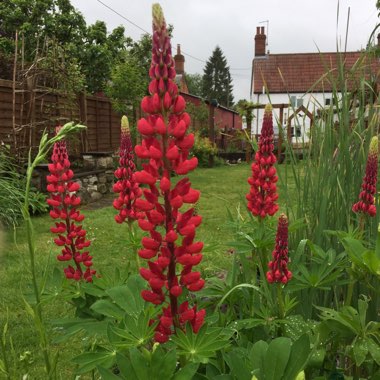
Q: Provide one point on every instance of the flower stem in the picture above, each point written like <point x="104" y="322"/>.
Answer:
<point x="38" y="318"/>
<point x="133" y="244"/>
<point x="350" y="288"/>
<point x="281" y="309"/>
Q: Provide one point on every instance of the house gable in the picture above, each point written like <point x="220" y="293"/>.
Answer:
<point x="304" y="72"/>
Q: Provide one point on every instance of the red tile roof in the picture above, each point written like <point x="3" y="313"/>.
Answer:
<point x="282" y="73"/>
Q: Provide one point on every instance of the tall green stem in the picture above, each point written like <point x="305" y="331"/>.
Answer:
<point x="133" y="241"/>
<point x="281" y="309"/>
<point x="350" y="288"/>
<point x="32" y="250"/>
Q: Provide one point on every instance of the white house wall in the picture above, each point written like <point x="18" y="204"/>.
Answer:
<point x="311" y="101"/>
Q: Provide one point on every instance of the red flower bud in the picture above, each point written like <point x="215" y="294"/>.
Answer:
<point x="179" y="105"/>
<point x="144" y="127"/>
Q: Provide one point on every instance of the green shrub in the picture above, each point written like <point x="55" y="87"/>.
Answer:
<point x="12" y="187"/>
<point x="204" y="150"/>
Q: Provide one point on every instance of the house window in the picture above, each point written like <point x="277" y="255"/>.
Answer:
<point x="296" y="102"/>
<point x="327" y="101"/>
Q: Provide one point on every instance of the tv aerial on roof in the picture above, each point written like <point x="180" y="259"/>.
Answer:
<point x="267" y="34"/>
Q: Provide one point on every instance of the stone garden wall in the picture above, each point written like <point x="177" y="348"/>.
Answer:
<point x="95" y="175"/>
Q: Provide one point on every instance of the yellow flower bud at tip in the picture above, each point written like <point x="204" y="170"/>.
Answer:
<point x="268" y="108"/>
<point x="124" y="124"/>
<point x="374" y="146"/>
<point x="158" y="15"/>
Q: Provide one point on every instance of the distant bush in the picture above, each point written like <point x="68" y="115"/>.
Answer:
<point x="12" y="187"/>
<point x="204" y="150"/>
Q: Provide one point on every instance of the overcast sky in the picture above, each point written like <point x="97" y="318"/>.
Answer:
<point x="200" y="25"/>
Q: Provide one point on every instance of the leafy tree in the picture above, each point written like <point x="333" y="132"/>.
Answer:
<point x="199" y="118"/>
<point x="37" y="20"/>
<point x="101" y="53"/>
<point x="127" y="85"/>
<point x="245" y="109"/>
<point x="141" y="51"/>
<point x="194" y="84"/>
<point x="217" y="82"/>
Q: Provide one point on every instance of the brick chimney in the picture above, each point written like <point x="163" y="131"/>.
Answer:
<point x="179" y="60"/>
<point x="260" y="41"/>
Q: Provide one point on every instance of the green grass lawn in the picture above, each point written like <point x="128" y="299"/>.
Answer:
<point x="221" y="188"/>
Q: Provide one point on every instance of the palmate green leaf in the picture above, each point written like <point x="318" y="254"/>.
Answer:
<point x="362" y="311"/>
<point x="238" y="366"/>
<point x="139" y="364"/>
<point x="345" y="322"/>
<point x="128" y="297"/>
<point x="360" y="350"/>
<point x="136" y="331"/>
<point x="200" y="347"/>
<point x="276" y="358"/>
<point x="374" y="350"/>
<point x="90" y="360"/>
<point x="355" y="249"/>
<point x="107" y="374"/>
<point x="125" y="367"/>
<point x="108" y="309"/>
<point x="163" y="364"/>
<point x="247" y="323"/>
<point x="92" y="327"/>
<point x="257" y="355"/>
<point x="372" y="262"/>
<point x="187" y="372"/>
<point x="299" y="356"/>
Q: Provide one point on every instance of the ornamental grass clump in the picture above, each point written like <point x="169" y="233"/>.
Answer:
<point x="263" y="195"/>
<point x="170" y="249"/>
<point x="64" y="202"/>
<point x="366" y="204"/>
<point x="278" y="267"/>
<point x="127" y="188"/>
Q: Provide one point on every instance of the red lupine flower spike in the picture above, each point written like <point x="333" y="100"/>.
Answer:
<point x="71" y="237"/>
<point x="170" y="248"/>
<point x="279" y="265"/>
<point x="126" y="186"/>
<point x="366" y="204"/>
<point x="263" y="191"/>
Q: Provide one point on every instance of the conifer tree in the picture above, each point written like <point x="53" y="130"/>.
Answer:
<point x="217" y="82"/>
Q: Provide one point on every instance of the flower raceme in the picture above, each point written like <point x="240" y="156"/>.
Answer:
<point x="170" y="248"/>
<point x="126" y="186"/>
<point x="64" y="202"/>
<point x="263" y="191"/>
<point x="278" y="267"/>
<point x="366" y="204"/>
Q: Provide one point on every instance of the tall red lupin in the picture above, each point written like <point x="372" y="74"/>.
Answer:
<point x="170" y="249"/>
<point x="366" y="204"/>
<point x="263" y="195"/>
<point x="127" y="188"/>
<point x="278" y="267"/>
<point x="64" y="202"/>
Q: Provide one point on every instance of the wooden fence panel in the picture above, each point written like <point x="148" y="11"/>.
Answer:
<point x="42" y="109"/>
